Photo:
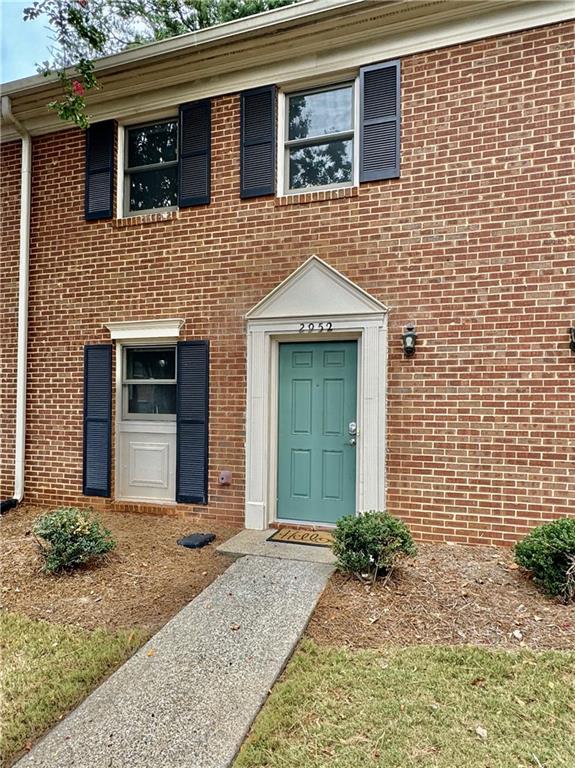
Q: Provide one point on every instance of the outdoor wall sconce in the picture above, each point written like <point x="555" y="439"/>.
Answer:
<point x="409" y="338"/>
<point x="572" y="339"/>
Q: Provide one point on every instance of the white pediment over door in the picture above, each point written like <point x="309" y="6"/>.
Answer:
<point x="316" y="289"/>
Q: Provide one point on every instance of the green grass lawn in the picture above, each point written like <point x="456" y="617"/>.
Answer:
<point x="47" y="669"/>
<point x="457" y="707"/>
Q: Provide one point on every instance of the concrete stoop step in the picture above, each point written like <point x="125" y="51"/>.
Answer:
<point x="188" y="697"/>
<point x="248" y="542"/>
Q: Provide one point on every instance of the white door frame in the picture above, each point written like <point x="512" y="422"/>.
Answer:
<point x="274" y="414"/>
<point x="134" y="426"/>
<point x="318" y="286"/>
<point x="138" y="333"/>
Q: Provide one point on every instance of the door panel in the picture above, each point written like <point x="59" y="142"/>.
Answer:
<point x="333" y="406"/>
<point x="301" y="411"/>
<point x="301" y="474"/>
<point x="332" y="475"/>
<point x="317" y="402"/>
<point x="147" y="462"/>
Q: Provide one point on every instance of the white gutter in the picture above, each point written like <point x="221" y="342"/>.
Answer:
<point x="265" y="22"/>
<point x="25" y="190"/>
<point x="525" y="14"/>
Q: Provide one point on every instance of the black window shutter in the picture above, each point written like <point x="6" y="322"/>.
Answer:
<point x="192" y="422"/>
<point x="195" y="153"/>
<point x="97" y="419"/>
<point x="258" y="142"/>
<point x="379" y="121"/>
<point x="99" y="185"/>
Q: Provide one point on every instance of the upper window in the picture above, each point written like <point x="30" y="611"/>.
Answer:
<point x="151" y="167"/>
<point x="330" y="137"/>
<point x="149" y="382"/>
<point x="319" y="138"/>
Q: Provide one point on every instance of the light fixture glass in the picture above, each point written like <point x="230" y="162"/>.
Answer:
<point x="409" y="339"/>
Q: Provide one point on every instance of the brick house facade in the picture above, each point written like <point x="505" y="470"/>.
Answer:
<point x="472" y="242"/>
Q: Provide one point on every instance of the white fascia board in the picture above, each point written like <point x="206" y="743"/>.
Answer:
<point x="137" y="330"/>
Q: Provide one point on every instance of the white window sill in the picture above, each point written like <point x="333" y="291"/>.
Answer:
<point x="316" y="195"/>
<point x="146" y="218"/>
<point x="149" y="427"/>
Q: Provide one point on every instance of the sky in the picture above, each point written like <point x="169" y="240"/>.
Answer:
<point x="23" y="44"/>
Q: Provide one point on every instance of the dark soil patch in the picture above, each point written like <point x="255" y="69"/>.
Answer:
<point x="447" y="595"/>
<point x="143" y="583"/>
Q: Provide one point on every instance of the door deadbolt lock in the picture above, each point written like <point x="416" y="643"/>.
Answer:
<point x="352" y="428"/>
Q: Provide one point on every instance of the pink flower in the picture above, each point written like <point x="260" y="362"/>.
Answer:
<point x="78" y="88"/>
<point x="83" y="3"/>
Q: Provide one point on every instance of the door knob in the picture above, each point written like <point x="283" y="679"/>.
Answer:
<point x="352" y="428"/>
<point x="352" y="441"/>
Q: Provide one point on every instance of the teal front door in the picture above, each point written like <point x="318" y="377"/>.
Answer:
<point x="316" y="452"/>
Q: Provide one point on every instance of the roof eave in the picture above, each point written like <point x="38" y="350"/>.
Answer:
<point x="286" y="47"/>
<point x="262" y="23"/>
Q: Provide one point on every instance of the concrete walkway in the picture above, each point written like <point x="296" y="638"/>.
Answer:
<point x="189" y="696"/>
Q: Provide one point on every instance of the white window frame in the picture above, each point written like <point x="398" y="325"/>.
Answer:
<point x="283" y="144"/>
<point x="125" y="383"/>
<point x="122" y="189"/>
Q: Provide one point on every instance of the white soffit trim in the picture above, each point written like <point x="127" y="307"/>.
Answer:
<point x="314" y="289"/>
<point x="144" y="329"/>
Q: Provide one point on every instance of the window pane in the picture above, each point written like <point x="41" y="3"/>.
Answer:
<point x="142" y="363"/>
<point x="317" y="114"/>
<point x="152" y="144"/>
<point x="321" y="164"/>
<point x="154" y="189"/>
<point x="152" y="398"/>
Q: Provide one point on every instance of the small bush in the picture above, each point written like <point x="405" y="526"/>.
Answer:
<point x="549" y="553"/>
<point x="72" y="537"/>
<point x="371" y="544"/>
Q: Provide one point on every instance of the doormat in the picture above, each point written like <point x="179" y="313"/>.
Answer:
<point x="299" y="536"/>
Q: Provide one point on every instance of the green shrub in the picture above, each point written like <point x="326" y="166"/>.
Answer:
<point x="549" y="553"/>
<point x="371" y="544"/>
<point x="71" y="537"/>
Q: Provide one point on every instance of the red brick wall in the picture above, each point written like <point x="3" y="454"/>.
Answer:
<point x="471" y="242"/>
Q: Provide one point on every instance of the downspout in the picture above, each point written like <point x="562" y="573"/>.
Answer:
<point x="21" y="360"/>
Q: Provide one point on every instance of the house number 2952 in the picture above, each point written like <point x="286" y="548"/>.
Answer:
<point x="324" y="325"/>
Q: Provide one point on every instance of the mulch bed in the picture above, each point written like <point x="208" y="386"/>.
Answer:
<point x="447" y="595"/>
<point x="142" y="583"/>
